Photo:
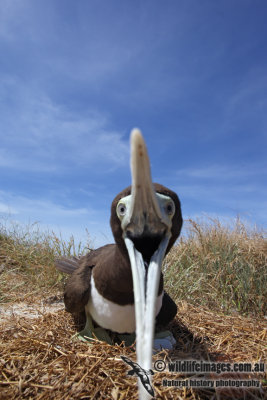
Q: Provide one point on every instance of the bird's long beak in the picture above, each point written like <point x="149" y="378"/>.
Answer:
<point x="146" y="232"/>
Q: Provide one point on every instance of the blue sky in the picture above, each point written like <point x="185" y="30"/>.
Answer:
<point x="77" y="76"/>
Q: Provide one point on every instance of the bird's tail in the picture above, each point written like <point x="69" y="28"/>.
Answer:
<point x="67" y="265"/>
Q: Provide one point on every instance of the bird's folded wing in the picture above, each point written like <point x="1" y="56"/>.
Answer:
<point x="67" y="265"/>
<point x="78" y="289"/>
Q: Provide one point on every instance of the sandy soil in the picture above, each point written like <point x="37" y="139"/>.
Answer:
<point x="31" y="310"/>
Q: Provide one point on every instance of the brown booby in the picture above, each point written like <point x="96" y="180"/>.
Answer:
<point x="121" y="285"/>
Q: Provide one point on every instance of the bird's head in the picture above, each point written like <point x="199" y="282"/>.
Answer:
<point x="145" y="212"/>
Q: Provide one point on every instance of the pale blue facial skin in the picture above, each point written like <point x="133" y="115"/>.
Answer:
<point x="166" y="205"/>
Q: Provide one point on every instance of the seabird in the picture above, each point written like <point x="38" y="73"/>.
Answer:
<point x="121" y="285"/>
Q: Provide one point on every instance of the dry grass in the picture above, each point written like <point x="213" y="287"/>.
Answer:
<point x="27" y="261"/>
<point x="39" y="360"/>
<point x="220" y="267"/>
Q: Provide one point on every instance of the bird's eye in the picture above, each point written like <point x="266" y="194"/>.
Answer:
<point x="169" y="208"/>
<point x="121" y="209"/>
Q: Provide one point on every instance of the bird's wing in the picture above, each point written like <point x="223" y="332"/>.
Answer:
<point x="78" y="288"/>
<point x="67" y="265"/>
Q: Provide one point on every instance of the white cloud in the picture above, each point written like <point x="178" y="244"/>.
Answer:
<point x="54" y="217"/>
<point x="40" y="135"/>
<point x="6" y="209"/>
<point x="228" y="190"/>
<point x="229" y="172"/>
<point x="21" y="205"/>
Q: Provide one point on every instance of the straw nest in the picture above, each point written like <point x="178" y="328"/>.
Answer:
<point x="40" y="360"/>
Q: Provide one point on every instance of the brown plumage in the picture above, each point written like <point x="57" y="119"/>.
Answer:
<point x="110" y="265"/>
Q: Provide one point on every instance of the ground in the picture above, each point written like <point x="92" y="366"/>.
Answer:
<point x="39" y="359"/>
